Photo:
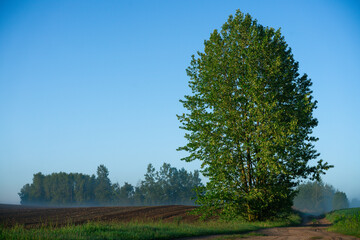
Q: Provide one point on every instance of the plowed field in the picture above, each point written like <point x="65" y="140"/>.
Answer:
<point x="11" y="215"/>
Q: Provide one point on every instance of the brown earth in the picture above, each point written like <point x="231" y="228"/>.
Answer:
<point x="316" y="229"/>
<point x="11" y="215"/>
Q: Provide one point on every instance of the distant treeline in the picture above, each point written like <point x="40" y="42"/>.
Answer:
<point x="166" y="186"/>
<point x="318" y="198"/>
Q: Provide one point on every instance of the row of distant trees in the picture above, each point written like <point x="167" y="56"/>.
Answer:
<point x="318" y="197"/>
<point x="169" y="185"/>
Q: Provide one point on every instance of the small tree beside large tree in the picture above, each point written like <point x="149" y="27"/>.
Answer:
<point x="249" y="121"/>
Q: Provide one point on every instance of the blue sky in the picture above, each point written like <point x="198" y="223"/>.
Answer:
<point x="84" y="83"/>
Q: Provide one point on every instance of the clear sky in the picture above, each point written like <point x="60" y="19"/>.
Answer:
<point x="84" y="83"/>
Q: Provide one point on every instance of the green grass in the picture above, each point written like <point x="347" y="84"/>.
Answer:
<point x="140" y="230"/>
<point x="345" y="221"/>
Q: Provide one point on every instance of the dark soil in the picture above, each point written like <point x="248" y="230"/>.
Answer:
<point x="11" y="215"/>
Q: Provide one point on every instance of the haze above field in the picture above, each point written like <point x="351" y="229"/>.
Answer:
<point x="98" y="82"/>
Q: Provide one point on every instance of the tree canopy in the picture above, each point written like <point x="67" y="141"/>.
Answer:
<point x="340" y="201"/>
<point x="169" y="185"/>
<point x="319" y="198"/>
<point x="314" y="197"/>
<point x="249" y="120"/>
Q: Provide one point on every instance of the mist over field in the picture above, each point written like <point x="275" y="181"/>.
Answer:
<point x="318" y="198"/>
<point x="166" y="186"/>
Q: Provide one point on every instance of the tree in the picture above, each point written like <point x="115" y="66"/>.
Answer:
<point x="167" y="186"/>
<point x="149" y="187"/>
<point x="24" y="194"/>
<point x="61" y="189"/>
<point x="103" y="190"/>
<point x="314" y="197"/>
<point x="123" y="195"/>
<point x="37" y="189"/>
<point x="340" y="201"/>
<point x="84" y="188"/>
<point x="249" y="120"/>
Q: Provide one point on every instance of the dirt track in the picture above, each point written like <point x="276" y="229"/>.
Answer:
<point x="307" y="231"/>
<point x="11" y="215"/>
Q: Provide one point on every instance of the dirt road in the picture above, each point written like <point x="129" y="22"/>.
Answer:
<point x="311" y="230"/>
<point x="307" y="231"/>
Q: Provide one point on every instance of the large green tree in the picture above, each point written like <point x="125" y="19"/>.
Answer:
<point x="249" y="121"/>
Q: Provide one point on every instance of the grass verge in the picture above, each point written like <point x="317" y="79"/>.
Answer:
<point x="141" y="230"/>
<point x="346" y="221"/>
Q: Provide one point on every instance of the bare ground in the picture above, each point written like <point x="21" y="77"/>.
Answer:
<point x="30" y="217"/>
<point x="310" y="230"/>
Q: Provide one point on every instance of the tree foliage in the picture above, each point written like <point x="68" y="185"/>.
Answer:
<point x="103" y="189"/>
<point x="314" y="197"/>
<point x="60" y="189"/>
<point x="340" y="201"/>
<point x="318" y="198"/>
<point x="249" y="121"/>
<point x="167" y="186"/>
